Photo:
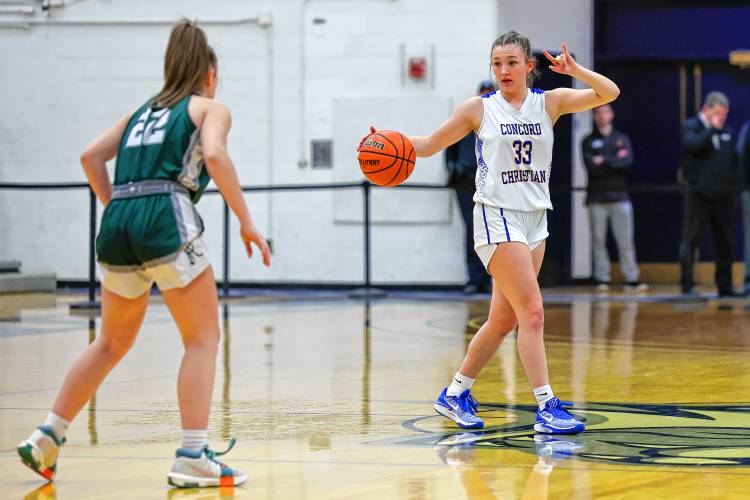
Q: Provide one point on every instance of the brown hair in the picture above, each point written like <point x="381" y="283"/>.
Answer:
<point x="186" y="63"/>
<point x="514" y="38"/>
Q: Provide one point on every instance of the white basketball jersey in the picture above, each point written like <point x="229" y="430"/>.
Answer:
<point x="514" y="153"/>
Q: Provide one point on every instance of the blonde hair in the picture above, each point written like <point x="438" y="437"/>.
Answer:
<point x="186" y="63"/>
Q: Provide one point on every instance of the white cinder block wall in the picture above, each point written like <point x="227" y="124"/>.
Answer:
<point x="283" y="66"/>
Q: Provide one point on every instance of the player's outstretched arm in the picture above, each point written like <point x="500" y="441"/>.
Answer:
<point x="564" y="100"/>
<point x="214" y="132"/>
<point x="467" y="117"/>
<point x="96" y="155"/>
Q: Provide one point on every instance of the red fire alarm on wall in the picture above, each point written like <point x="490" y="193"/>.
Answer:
<point x="417" y="68"/>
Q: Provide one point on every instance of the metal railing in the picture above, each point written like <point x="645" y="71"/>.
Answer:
<point x="367" y="289"/>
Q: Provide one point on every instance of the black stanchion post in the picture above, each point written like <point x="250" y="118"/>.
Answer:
<point x="225" y="282"/>
<point x="367" y="292"/>
<point x="92" y="246"/>
<point x="366" y="226"/>
<point x="92" y="304"/>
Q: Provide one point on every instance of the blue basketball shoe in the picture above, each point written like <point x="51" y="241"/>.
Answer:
<point x="555" y="419"/>
<point x="461" y="409"/>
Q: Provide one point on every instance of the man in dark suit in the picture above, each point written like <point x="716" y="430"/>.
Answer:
<point x="710" y="168"/>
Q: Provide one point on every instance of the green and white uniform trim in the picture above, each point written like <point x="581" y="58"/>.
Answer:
<point x="192" y="166"/>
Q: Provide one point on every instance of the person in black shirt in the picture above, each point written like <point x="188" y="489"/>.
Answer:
<point x="711" y="172"/>
<point x="461" y="162"/>
<point x="608" y="155"/>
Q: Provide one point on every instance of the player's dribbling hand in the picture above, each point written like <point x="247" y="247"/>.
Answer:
<point x="362" y="139"/>
<point x="250" y="234"/>
<point x="563" y="63"/>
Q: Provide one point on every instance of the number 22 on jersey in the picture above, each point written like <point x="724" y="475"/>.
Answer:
<point x="149" y="130"/>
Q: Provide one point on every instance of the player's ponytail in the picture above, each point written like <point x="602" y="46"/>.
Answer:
<point x="514" y="38"/>
<point x="186" y="63"/>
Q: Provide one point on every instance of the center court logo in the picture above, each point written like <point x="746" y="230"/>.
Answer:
<point x="667" y="434"/>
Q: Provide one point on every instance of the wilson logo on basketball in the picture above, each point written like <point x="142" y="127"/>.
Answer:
<point x="373" y="144"/>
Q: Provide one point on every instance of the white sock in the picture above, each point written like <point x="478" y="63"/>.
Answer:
<point x="543" y="394"/>
<point x="459" y="384"/>
<point x="58" y="424"/>
<point x="194" y="439"/>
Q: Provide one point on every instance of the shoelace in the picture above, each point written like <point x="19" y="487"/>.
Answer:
<point x="211" y="454"/>
<point x="473" y="402"/>
<point x="467" y="402"/>
<point x="557" y="409"/>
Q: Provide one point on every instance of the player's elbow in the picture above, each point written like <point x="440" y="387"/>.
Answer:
<point x="614" y="93"/>
<point x="88" y="158"/>
<point x="214" y="156"/>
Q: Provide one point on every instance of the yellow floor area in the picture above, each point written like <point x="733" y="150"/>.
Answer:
<point x="333" y="399"/>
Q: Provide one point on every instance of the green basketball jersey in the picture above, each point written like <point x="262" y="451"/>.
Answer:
<point x="162" y="143"/>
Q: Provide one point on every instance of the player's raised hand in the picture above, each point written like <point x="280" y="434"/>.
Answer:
<point x="250" y="234"/>
<point x="563" y="63"/>
<point x="362" y="139"/>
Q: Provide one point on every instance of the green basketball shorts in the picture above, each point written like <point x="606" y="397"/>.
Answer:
<point x="150" y="238"/>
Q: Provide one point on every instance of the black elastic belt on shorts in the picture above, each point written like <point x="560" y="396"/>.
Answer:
<point x="146" y="188"/>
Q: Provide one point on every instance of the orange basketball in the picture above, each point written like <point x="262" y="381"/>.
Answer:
<point x="386" y="158"/>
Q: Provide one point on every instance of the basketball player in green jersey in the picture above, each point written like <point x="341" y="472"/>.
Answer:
<point x="150" y="232"/>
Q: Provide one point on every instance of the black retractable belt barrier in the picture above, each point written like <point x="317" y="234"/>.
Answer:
<point x="367" y="291"/>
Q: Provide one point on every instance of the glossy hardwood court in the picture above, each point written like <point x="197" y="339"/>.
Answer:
<point x="332" y="398"/>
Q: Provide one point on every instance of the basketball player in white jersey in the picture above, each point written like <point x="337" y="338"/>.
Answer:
<point x="514" y="154"/>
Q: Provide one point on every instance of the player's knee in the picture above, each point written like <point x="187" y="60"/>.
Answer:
<point x="533" y="317"/>
<point x="115" y="346"/>
<point x="207" y="341"/>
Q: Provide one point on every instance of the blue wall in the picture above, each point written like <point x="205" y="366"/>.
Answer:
<point x="670" y="30"/>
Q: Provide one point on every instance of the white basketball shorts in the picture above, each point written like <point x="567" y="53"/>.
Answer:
<point x="493" y="226"/>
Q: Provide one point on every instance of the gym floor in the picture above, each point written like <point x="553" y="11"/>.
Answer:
<point x="332" y="398"/>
